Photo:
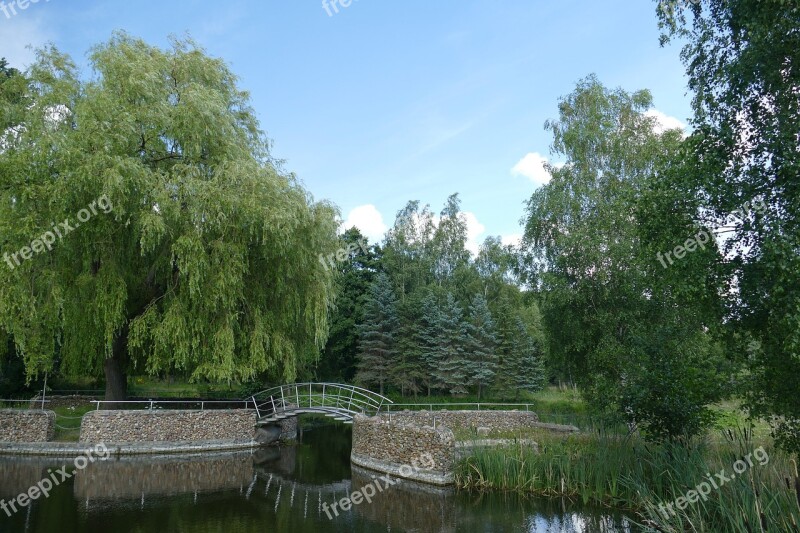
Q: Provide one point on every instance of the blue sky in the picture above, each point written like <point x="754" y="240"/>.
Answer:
<point x="388" y="101"/>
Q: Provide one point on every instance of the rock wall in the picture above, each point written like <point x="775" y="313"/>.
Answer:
<point x="408" y="506"/>
<point x="130" y="477"/>
<point x="110" y="427"/>
<point x="24" y="425"/>
<point x="411" y="451"/>
<point x="493" y="420"/>
<point x="288" y="428"/>
<point x="62" y="401"/>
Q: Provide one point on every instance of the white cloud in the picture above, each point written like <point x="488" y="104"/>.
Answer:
<point x="474" y="230"/>
<point x="514" y="239"/>
<point x="532" y="167"/>
<point x="665" y="122"/>
<point x="368" y="220"/>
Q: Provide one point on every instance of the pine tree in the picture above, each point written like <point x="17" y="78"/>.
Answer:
<point x="410" y="374"/>
<point x="481" y="345"/>
<point x="525" y="365"/>
<point x="427" y="337"/>
<point x="452" y="370"/>
<point x="506" y="341"/>
<point x="377" y="335"/>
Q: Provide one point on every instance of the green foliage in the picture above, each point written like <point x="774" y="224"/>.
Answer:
<point x="355" y="273"/>
<point x="452" y="371"/>
<point x="13" y="99"/>
<point x="377" y="347"/>
<point x="422" y="319"/>
<point x="616" y="319"/>
<point x="207" y="262"/>
<point x="623" y="474"/>
<point x="481" y="351"/>
<point x="525" y="363"/>
<point x="436" y="346"/>
<point x="743" y="62"/>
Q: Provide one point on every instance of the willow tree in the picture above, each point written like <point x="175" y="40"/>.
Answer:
<point x="179" y="244"/>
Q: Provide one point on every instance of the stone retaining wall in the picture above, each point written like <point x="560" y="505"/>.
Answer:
<point x="130" y="477"/>
<point x="493" y="420"/>
<point x="288" y="428"/>
<point x="110" y="427"/>
<point x="27" y="425"/>
<point x="407" y="506"/>
<point x="63" y="401"/>
<point x="393" y="448"/>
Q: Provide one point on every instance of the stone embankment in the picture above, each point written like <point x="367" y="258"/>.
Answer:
<point x="397" y="443"/>
<point x="412" y="451"/>
<point x="27" y="425"/>
<point x="494" y="420"/>
<point x="112" y="427"/>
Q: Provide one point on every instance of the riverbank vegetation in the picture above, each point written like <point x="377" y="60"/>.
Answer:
<point x="643" y="478"/>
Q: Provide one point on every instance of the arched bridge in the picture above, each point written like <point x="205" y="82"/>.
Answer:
<point x="342" y="402"/>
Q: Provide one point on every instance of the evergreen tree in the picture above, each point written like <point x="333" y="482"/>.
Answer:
<point x="410" y="374"/>
<point x="356" y="272"/>
<point x="481" y="345"/>
<point x="427" y="338"/>
<point x="377" y="335"/>
<point x="452" y="369"/>
<point x="506" y="341"/>
<point x="527" y="364"/>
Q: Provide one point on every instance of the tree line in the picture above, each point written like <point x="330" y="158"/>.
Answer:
<point x="209" y="267"/>
<point x="421" y="316"/>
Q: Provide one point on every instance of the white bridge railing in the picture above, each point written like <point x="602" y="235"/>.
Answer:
<point x="189" y="405"/>
<point x="341" y="402"/>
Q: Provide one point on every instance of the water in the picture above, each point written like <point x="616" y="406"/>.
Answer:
<point x="271" y="489"/>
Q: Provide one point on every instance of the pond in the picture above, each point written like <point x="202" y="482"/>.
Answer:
<point x="286" y="489"/>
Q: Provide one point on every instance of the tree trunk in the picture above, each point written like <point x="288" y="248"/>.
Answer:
<point x="115" y="368"/>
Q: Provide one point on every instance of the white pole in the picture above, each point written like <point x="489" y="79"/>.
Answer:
<point x="44" y="389"/>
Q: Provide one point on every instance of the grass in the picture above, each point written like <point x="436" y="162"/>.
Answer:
<point x="629" y="474"/>
<point x="557" y="405"/>
<point x="68" y="422"/>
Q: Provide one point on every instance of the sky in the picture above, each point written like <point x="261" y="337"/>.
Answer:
<point x="373" y="103"/>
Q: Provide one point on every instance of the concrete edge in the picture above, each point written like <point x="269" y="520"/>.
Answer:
<point x="123" y="448"/>
<point x="430" y="477"/>
<point x="558" y="428"/>
<point x="408" y="484"/>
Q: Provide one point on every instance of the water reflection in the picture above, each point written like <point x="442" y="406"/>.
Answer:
<point x="270" y="489"/>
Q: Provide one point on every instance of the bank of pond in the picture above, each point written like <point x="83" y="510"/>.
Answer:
<point x="568" y="483"/>
<point x="726" y="482"/>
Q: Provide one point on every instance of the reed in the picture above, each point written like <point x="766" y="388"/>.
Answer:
<point x="631" y="475"/>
